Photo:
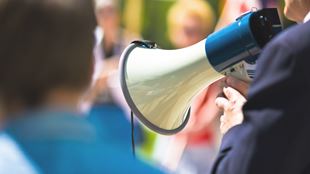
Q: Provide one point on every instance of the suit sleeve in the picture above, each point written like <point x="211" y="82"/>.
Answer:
<point x="273" y="137"/>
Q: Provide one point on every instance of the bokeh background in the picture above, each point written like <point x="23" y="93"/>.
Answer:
<point x="148" y="17"/>
<point x="193" y="150"/>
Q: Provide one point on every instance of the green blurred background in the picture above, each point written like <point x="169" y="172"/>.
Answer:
<point x="148" y="18"/>
<point x="151" y="23"/>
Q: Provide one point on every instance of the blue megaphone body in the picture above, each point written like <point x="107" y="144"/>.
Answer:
<point x="243" y="39"/>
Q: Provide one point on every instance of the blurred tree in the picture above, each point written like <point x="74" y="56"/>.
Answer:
<point x="133" y="15"/>
<point x="154" y="24"/>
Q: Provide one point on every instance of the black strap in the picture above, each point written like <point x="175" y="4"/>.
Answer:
<point x="133" y="135"/>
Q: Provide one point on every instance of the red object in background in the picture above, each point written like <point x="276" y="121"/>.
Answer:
<point x="243" y="8"/>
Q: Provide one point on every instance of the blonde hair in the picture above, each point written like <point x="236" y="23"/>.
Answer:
<point x="195" y="8"/>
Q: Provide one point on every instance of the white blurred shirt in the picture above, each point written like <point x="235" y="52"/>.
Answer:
<point x="12" y="159"/>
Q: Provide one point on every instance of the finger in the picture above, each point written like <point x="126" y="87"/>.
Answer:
<point x="233" y="95"/>
<point x="222" y="103"/>
<point x="240" y="85"/>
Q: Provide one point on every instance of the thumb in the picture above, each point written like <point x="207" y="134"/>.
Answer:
<point x="233" y="95"/>
<point x="222" y="103"/>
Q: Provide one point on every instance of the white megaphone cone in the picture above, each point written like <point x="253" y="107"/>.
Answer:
<point x="159" y="85"/>
<point x="163" y="83"/>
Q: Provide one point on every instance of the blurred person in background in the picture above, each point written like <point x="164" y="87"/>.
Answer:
<point x="46" y="64"/>
<point x="234" y="8"/>
<point x="189" y="22"/>
<point x="107" y="108"/>
<point x="111" y="40"/>
<point x="194" y="149"/>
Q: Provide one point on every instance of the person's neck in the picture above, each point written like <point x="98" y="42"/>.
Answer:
<point x="307" y="17"/>
<point x="63" y="99"/>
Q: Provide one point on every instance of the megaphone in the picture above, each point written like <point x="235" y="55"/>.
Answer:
<point x="159" y="85"/>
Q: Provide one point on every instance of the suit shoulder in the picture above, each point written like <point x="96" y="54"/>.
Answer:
<point x="295" y="39"/>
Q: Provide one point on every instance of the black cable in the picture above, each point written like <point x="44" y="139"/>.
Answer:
<point x="133" y="135"/>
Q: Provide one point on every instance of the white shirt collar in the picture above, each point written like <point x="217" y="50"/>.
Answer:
<point x="307" y="18"/>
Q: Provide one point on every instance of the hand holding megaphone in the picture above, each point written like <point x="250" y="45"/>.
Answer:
<point x="159" y="85"/>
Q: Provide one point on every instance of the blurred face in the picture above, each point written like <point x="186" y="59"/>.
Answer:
<point x="296" y="10"/>
<point x="188" y="33"/>
<point x="108" y="18"/>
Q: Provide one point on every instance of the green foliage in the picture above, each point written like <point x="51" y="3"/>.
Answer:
<point x="155" y="23"/>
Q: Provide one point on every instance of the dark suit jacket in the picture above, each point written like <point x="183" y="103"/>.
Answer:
<point x="275" y="135"/>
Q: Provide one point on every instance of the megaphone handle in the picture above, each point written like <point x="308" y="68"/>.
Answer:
<point x="241" y="71"/>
